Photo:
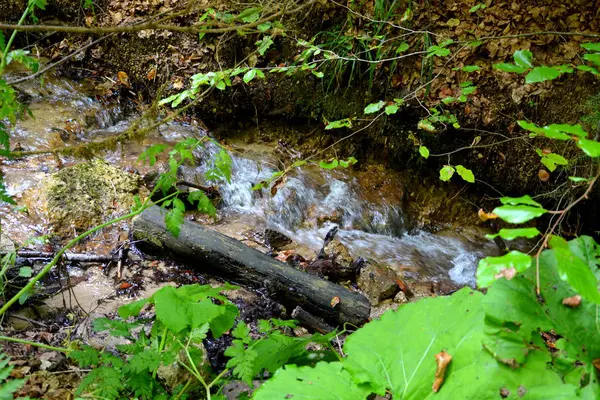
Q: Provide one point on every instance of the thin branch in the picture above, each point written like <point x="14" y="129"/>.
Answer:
<point x="200" y="28"/>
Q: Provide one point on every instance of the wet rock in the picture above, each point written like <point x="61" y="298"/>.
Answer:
<point x="419" y="290"/>
<point x="238" y="389"/>
<point x="338" y="251"/>
<point x="378" y="282"/>
<point x="333" y="217"/>
<point x="276" y="240"/>
<point x="88" y="194"/>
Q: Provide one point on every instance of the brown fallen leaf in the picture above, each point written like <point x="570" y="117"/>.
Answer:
<point x="151" y="74"/>
<point x="123" y="78"/>
<point x="543" y="175"/>
<point x="335" y="301"/>
<point x="507" y="273"/>
<point x="442" y="359"/>
<point x="573" y="301"/>
<point x="596" y="363"/>
<point x="484" y="216"/>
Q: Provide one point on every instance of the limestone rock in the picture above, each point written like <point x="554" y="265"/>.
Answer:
<point x="88" y="194"/>
<point x="338" y="250"/>
<point x="378" y="282"/>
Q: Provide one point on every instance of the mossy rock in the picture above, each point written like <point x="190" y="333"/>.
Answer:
<point x="88" y="194"/>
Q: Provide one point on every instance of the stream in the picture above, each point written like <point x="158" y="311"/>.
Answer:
<point x="310" y="201"/>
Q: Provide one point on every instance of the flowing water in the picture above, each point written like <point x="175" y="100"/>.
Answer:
<point x="305" y="207"/>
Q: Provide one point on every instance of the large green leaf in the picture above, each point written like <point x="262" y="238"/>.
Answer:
<point x="325" y="381"/>
<point x="465" y="173"/>
<point x="514" y="305"/>
<point x="575" y="270"/>
<point x="397" y="352"/>
<point x="518" y="214"/>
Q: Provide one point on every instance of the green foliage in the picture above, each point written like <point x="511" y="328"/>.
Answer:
<point x="511" y="234"/>
<point x="424" y="152"/>
<point x="519" y="210"/>
<point x="271" y="350"/>
<point x="447" y="172"/>
<point x="551" y="160"/>
<point x="494" y="341"/>
<point x="8" y="386"/>
<point x="492" y="268"/>
<point x="334" y="163"/>
<point x="342" y="123"/>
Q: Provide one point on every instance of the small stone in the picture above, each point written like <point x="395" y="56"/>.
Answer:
<point x="51" y="360"/>
<point x="378" y="282"/>
<point x="400" y="298"/>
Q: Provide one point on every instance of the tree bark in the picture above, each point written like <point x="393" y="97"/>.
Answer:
<point x="221" y="255"/>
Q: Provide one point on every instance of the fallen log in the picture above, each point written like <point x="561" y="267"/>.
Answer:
<point x="221" y="255"/>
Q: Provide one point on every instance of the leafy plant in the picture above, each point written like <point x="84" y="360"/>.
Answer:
<point x="8" y="386"/>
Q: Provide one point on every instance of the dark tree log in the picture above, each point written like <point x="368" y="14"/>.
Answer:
<point x="310" y="321"/>
<point x="221" y="255"/>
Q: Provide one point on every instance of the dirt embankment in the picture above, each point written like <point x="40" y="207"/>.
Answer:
<point x="153" y="58"/>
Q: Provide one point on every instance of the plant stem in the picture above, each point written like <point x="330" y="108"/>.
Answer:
<point x="183" y="390"/>
<point x="161" y="347"/>
<point x="12" y="38"/>
<point x="35" y="344"/>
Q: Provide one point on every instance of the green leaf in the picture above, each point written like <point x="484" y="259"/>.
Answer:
<point x="426" y="125"/>
<point x="250" y="15"/>
<point x="446" y="172"/>
<point x="264" y="27"/>
<point x="348" y="163"/>
<point x="465" y="173"/>
<point x="248" y="76"/>
<point x="264" y="44"/>
<point x="204" y="204"/>
<point x="392" y="109"/>
<point x="587" y="68"/>
<point x="374" y="107"/>
<point x="190" y="307"/>
<point x="402" y="48"/>
<point x="578" y="179"/>
<point x="396" y="353"/>
<point x="575" y="271"/>
<point x="510" y="68"/>
<point x="329" y="165"/>
<point x="523" y="58"/>
<point x="514" y="305"/>
<point x="477" y="7"/>
<point x="492" y="268"/>
<point x="576" y="130"/>
<point x="542" y="74"/>
<point x="25" y="272"/>
<point x="518" y="214"/>
<point x="342" y="123"/>
<point x="470" y="68"/>
<point x="593" y="58"/>
<point x="527" y="200"/>
<point x="174" y="218"/>
<point x="589" y="147"/>
<point x="591" y="46"/>
<point x="424" y="151"/>
<point x="326" y="381"/>
<point x="511" y="234"/>
<point x="437" y="51"/>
